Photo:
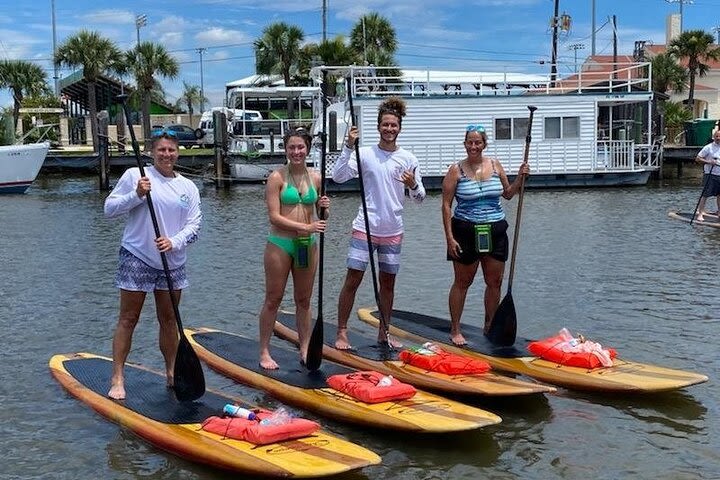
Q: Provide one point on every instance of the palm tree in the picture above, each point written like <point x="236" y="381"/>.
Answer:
<point x="697" y="47"/>
<point x="667" y="74"/>
<point x="373" y="39"/>
<point x="145" y="61"/>
<point x="95" y="55"/>
<point x="277" y="51"/>
<point x="329" y="52"/>
<point x="190" y="97"/>
<point x="22" y="78"/>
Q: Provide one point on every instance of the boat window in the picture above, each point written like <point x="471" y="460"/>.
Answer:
<point x="510" y="128"/>
<point x="562" y="127"/>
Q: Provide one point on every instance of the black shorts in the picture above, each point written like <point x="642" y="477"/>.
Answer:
<point x="712" y="185"/>
<point x="464" y="234"/>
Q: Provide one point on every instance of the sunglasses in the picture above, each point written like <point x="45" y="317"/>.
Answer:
<point x="164" y="133"/>
<point x="475" y="128"/>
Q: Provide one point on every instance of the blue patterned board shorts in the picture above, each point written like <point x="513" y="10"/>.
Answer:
<point x="137" y="276"/>
<point x="388" y="252"/>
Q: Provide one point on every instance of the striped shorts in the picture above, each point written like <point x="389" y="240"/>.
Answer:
<point x="387" y="248"/>
<point x="137" y="276"/>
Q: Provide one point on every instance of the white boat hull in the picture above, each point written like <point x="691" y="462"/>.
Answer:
<point x="19" y="165"/>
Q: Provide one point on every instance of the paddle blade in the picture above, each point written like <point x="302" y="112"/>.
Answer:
<point x="314" y="353"/>
<point x="188" y="374"/>
<point x="503" y="328"/>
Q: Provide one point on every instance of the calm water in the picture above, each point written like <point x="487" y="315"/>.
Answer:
<point x="607" y="263"/>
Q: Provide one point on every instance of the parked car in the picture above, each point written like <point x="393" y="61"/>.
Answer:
<point x="187" y="136"/>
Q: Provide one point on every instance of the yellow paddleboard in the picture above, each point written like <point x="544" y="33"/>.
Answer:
<point x="623" y="376"/>
<point x="152" y="412"/>
<point x="236" y="357"/>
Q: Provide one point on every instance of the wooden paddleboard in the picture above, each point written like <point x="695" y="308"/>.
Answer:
<point x="623" y="376"/>
<point x="236" y="357"/>
<point x="367" y="354"/>
<point x="152" y="412"/>
<point x="709" y="220"/>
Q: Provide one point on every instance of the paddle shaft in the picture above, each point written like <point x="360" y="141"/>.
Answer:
<point x="516" y="233"/>
<point x="153" y="216"/>
<point x="383" y="320"/>
<point x="702" y="194"/>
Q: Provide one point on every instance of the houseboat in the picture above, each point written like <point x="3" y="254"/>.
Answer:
<point x="593" y="128"/>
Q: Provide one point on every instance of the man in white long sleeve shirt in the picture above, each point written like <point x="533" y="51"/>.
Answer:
<point x="387" y="171"/>
<point x="709" y="156"/>
<point x="177" y="205"/>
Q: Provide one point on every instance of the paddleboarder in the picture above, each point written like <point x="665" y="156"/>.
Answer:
<point x="388" y="170"/>
<point x="294" y="207"/>
<point x="709" y="156"/>
<point x="476" y="233"/>
<point x="140" y="270"/>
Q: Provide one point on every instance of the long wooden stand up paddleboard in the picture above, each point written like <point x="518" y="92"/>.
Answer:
<point x="236" y="357"/>
<point x="709" y="219"/>
<point x="623" y="376"/>
<point x="152" y="412"/>
<point x="367" y="354"/>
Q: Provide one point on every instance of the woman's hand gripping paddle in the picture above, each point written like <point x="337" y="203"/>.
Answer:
<point x="503" y="327"/>
<point x="189" y="381"/>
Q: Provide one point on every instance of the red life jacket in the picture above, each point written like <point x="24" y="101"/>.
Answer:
<point x="364" y="387"/>
<point x="550" y="349"/>
<point x="254" y="432"/>
<point x="445" y="362"/>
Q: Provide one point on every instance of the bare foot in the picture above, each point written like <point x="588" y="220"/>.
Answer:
<point x="700" y="217"/>
<point x="341" y="340"/>
<point x="117" y="390"/>
<point x="394" y="343"/>
<point x="458" y="340"/>
<point x="268" y="363"/>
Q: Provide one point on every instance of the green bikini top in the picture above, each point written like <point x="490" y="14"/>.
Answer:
<point x="291" y="196"/>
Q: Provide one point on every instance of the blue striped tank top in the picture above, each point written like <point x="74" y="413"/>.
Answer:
<point x="478" y="201"/>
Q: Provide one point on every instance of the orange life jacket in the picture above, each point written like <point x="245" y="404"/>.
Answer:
<point x="448" y="363"/>
<point x="363" y="386"/>
<point x="254" y="432"/>
<point x="550" y="349"/>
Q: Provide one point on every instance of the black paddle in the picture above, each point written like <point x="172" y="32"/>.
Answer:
<point x="189" y="381"/>
<point x="315" y="347"/>
<point x="503" y="327"/>
<point x="383" y="320"/>
<point x="702" y="194"/>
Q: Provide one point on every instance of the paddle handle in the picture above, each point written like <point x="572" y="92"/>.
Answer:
<point x="153" y="216"/>
<point x="516" y="233"/>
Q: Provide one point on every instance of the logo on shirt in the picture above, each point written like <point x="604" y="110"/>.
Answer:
<point x="185" y="200"/>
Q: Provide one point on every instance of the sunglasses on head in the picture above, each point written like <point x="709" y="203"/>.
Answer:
<point x="475" y="128"/>
<point x="164" y="133"/>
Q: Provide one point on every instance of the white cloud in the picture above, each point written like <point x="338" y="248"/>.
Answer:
<point x="221" y="36"/>
<point x="110" y="16"/>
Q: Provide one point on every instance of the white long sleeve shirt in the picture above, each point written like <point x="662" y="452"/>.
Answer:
<point x="177" y="207"/>
<point x="384" y="191"/>
<point x="711" y="151"/>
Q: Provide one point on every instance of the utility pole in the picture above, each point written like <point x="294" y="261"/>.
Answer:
<point x="681" y="2"/>
<point x="553" y="60"/>
<point x="202" y="84"/>
<point x="55" y="66"/>
<point x="615" y="45"/>
<point x="140" y="21"/>
<point x="576" y="47"/>
<point x="324" y="20"/>
<point x="592" y="49"/>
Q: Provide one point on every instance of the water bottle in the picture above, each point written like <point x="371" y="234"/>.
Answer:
<point x="237" y="411"/>
<point x="385" y="381"/>
<point x="279" y="417"/>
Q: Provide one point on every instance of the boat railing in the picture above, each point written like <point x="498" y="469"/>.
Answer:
<point x="619" y="77"/>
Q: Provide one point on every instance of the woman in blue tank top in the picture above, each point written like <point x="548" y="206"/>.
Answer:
<point x="476" y="232"/>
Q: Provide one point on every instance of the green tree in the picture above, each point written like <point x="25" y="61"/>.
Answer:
<point x="373" y="39"/>
<point x="95" y="55"/>
<point x="695" y="46"/>
<point x="667" y="74"/>
<point x="277" y="51"/>
<point x="145" y="61"/>
<point x="330" y="52"/>
<point x="190" y="97"/>
<point x="23" y="79"/>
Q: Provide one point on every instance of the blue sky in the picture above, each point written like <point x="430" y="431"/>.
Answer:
<point x="469" y="35"/>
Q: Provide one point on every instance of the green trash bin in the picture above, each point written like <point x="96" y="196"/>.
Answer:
<point x="703" y="131"/>
<point x="690" y="129"/>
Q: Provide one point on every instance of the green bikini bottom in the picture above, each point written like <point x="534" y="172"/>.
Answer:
<point x="291" y="246"/>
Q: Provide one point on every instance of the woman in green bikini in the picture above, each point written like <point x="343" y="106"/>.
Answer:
<point x="294" y="207"/>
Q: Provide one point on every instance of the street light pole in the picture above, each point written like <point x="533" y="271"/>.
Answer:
<point x="576" y="47"/>
<point x="202" y="84"/>
<point x="140" y="21"/>
<point x="553" y="60"/>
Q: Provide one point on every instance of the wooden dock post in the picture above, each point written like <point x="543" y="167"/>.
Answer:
<point x="220" y="139"/>
<point x="104" y="150"/>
